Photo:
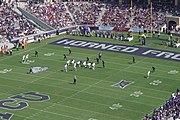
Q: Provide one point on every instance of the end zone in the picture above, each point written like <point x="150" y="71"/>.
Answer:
<point x="120" y="48"/>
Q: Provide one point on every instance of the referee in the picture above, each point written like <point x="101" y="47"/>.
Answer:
<point x="134" y="61"/>
<point x="36" y="53"/>
<point x="75" y="79"/>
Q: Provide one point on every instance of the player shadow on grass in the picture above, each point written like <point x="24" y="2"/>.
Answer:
<point x="145" y="77"/>
<point x="67" y="70"/>
<point x="71" y="83"/>
<point x="99" y="67"/>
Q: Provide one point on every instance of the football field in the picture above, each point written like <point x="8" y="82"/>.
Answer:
<point x="118" y="91"/>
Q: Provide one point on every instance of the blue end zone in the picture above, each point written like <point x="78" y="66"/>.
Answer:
<point x="120" y="48"/>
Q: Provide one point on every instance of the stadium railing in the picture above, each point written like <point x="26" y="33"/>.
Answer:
<point x="51" y="33"/>
<point x="36" y="20"/>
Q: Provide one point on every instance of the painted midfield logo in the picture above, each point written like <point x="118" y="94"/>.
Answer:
<point x="39" y="69"/>
<point x="122" y="84"/>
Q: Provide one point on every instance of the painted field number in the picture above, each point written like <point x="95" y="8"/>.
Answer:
<point x="136" y="94"/>
<point x="115" y="106"/>
<point x="155" y="82"/>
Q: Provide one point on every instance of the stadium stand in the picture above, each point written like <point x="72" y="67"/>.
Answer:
<point x="117" y="16"/>
<point x="13" y="25"/>
<point x="70" y="13"/>
<point x="142" y="18"/>
<point x="84" y="12"/>
<point x="54" y="15"/>
<point x="169" y="110"/>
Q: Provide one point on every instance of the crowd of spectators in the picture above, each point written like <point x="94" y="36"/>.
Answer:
<point x="142" y="18"/>
<point x="13" y="25"/>
<point x="54" y="14"/>
<point x="85" y="12"/>
<point x="170" y="109"/>
<point x="99" y="13"/>
<point x="116" y="16"/>
<point x="65" y="14"/>
<point x="167" y="7"/>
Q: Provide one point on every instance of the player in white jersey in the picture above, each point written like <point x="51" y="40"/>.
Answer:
<point x="84" y="64"/>
<point x="65" y="67"/>
<point x="93" y="66"/>
<point x="148" y="74"/>
<point x="89" y="65"/>
<point x="23" y="58"/>
<point x="68" y="62"/>
<point x="73" y="61"/>
<point x="75" y="67"/>
<point x="27" y="57"/>
<point x="79" y="63"/>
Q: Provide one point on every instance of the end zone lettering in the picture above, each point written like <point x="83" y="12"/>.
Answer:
<point x="135" y="50"/>
<point x="19" y="105"/>
<point x="164" y="54"/>
<point x="95" y="45"/>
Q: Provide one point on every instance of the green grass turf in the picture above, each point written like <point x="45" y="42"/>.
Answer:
<point x="92" y="96"/>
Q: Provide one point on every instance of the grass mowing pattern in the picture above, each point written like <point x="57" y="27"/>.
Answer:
<point x="92" y="96"/>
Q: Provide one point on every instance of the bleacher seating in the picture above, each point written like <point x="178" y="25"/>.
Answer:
<point x="13" y="25"/>
<point x="170" y="109"/>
